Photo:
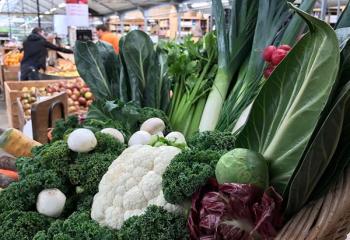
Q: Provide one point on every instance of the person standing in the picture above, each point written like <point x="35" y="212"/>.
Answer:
<point x="35" y="49"/>
<point x="104" y="35"/>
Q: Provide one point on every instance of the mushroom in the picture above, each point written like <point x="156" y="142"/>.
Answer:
<point x="153" y="125"/>
<point x="50" y="202"/>
<point x="140" y="138"/>
<point x="114" y="133"/>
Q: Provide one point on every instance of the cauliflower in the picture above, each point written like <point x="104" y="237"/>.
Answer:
<point x="133" y="182"/>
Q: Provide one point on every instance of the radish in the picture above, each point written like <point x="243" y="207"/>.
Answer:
<point x="285" y="47"/>
<point x="278" y="56"/>
<point x="268" y="71"/>
<point x="268" y="52"/>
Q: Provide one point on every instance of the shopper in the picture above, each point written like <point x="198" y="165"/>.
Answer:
<point x="35" y="54"/>
<point x="107" y="36"/>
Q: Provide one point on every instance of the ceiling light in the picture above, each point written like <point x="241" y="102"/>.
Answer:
<point x="47" y="12"/>
<point x="61" y="5"/>
<point x="53" y="9"/>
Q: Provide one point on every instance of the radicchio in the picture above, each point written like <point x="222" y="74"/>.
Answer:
<point x="234" y="211"/>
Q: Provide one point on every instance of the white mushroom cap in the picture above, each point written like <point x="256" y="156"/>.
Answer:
<point x="153" y="125"/>
<point x="114" y="133"/>
<point x="140" y="138"/>
<point x="176" y="137"/>
<point x="51" y="202"/>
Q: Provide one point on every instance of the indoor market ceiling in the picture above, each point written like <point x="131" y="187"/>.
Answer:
<point x="100" y="7"/>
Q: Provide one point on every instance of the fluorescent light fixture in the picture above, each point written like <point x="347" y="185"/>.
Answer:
<point x="61" y="5"/>
<point x="53" y="9"/>
<point x="200" y="5"/>
<point x="47" y="12"/>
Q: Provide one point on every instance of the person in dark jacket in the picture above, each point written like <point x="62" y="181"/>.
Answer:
<point x="35" y="54"/>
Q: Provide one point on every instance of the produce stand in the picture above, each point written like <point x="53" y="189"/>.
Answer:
<point x="13" y="90"/>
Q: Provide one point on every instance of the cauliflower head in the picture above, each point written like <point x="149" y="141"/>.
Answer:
<point x="133" y="182"/>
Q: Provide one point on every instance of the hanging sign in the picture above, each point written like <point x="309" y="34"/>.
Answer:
<point x="77" y="12"/>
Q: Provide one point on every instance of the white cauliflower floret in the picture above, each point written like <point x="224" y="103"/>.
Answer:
<point x="132" y="183"/>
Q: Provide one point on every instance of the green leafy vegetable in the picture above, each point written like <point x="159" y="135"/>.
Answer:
<point x="212" y="140"/>
<point x="344" y="20"/>
<point x="187" y="172"/>
<point x="319" y="154"/>
<point x="17" y="225"/>
<point x="77" y="226"/>
<point x="91" y="67"/>
<point x="155" y="224"/>
<point x="287" y="110"/>
<point x="192" y="68"/>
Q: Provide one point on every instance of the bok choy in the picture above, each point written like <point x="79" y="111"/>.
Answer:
<point x="287" y="110"/>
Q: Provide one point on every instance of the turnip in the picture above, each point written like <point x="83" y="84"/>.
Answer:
<point x="50" y="202"/>
<point x="268" y="51"/>
<point x="153" y="126"/>
<point x="82" y="140"/>
<point x="114" y="133"/>
<point x="278" y="56"/>
<point x="140" y="138"/>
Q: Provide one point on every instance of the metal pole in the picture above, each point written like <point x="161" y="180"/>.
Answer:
<point x="338" y="8"/>
<point x="38" y="13"/>
<point x="324" y="8"/>
<point x="178" y="35"/>
<point x="9" y="17"/>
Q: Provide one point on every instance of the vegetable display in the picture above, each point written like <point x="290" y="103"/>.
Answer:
<point x="225" y="138"/>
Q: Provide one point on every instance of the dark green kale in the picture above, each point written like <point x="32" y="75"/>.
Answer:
<point x="77" y="226"/>
<point x="187" y="172"/>
<point x="108" y="144"/>
<point x="19" y="225"/>
<point x="88" y="171"/>
<point x="22" y="195"/>
<point x="62" y="126"/>
<point x="213" y="140"/>
<point x="155" y="224"/>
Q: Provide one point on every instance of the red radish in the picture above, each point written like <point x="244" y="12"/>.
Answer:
<point x="268" y="71"/>
<point x="285" y="47"/>
<point x="268" y="52"/>
<point x="278" y="56"/>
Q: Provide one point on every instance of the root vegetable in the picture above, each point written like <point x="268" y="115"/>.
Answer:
<point x="268" y="51"/>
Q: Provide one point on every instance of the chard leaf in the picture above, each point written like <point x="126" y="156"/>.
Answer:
<point x="91" y="68"/>
<point x="319" y="155"/>
<point x="138" y="54"/>
<point x="286" y="112"/>
<point x="344" y="20"/>
<point x="297" y="25"/>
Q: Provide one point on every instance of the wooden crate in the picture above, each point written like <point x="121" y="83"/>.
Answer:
<point x="10" y="73"/>
<point x="13" y="91"/>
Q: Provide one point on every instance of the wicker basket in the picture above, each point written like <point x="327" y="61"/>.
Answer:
<point x="327" y="218"/>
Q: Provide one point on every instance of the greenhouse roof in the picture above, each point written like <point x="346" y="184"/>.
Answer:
<point x="98" y="7"/>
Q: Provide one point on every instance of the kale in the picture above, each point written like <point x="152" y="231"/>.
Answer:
<point x="108" y="144"/>
<point x="22" y="195"/>
<point x="77" y="226"/>
<point x="155" y="224"/>
<point x="62" y="126"/>
<point x="212" y="140"/>
<point x="88" y="171"/>
<point x="21" y="225"/>
<point x="187" y="172"/>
